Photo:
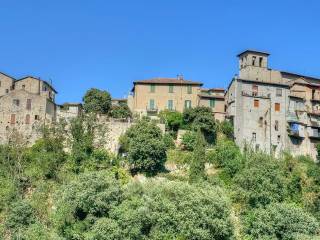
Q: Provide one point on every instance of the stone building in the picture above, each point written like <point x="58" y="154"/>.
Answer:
<point x="272" y="110"/>
<point x="149" y="97"/>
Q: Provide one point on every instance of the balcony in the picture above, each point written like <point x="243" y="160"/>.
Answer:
<point x="152" y="109"/>
<point x="255" y="94"/>
<point x="298" y="94"/>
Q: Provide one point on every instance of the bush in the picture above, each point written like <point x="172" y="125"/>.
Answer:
<point x="145" y="147"/>
<point x="120" y="111"/>
<point x="188" y="140"/>
<point x="226" y="155"/>
<point x="179" y="157"/>
<point x="172" y="210"/>
<point x="226" y="128"/>
<point x="168" y="141"/>
<point x="97" y="101"/>
<point x="172" y="119"/>
<point x="280" y="221"/>
<point x="261" y="182"/>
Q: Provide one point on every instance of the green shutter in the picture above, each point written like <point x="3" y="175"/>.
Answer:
<point x="170" y="88"/>
<point x="170" y="104"/>
<point x="151" y="104"/>
<point x="189" y="89"/>
<point x="152" y="88"/>
<point x="212" y="103"/>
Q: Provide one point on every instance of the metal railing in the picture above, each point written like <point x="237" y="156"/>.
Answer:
<point x="255" y="94"/>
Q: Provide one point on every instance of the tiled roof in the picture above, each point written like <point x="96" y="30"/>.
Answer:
<point x="167" y="81"/>
<point x="253" y="51"/>
<point x="210" y="96"/>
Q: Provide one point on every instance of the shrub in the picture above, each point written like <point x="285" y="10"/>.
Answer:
<point x="188" y="140"/>
<point x="261" y="182"/>
<point x="226" y="128"/>
<point x="168" y="141"/>
<point x="172" y="119"/>
<point x="145" y="147"/>
<point x="120" y="111"/>
<point x="280" y="221"/>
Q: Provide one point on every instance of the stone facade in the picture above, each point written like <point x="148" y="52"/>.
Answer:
<point x="271" y="110"/>
<point x="149" y="97"/>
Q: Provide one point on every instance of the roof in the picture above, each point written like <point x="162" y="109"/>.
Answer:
<point x="253" y="51"/>
<point x="6" y="75"/>
<point x="299" y="75"/>
<point x="217" y="89"/>
<point x="38" y="80"/>
<point x="264" y="83"/>
<point x="167" y="81"/>
<point x="71" y="104"/>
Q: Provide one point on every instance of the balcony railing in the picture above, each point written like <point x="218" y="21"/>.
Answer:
<point x="152" y="109"/>
<point x="255" y="94"/>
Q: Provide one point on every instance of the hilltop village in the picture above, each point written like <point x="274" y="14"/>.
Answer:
<point x="271" y="111"/>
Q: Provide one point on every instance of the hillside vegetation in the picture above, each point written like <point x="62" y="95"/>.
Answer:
<point x="66" y="187"/>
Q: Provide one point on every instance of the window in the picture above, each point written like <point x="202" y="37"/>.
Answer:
<point x="261" y="122"/>
<point x="28" y="104"/>
<point x="152" y="88"/>
<point x="277" y="107"/>
<point x="44" y="88"/>
<point x="253" y="60"/>
<point x="278" y="92"/>
<point x="13" y="119"/>
<point x="212" y="103"/>
<point x="170" y="88"/>
<point x="254" y="136"/>
<point x="260" y="61"/>
<point x="256" y="103"/>
<point x="276" y="125"/>
<point x="255" y="89"/>
<point x="189" y="89"/>
<point x="7" y="90"/>
<point x="151" y="104"/>
<point x="279" y="138"/>
<point x="0" y="83"/>
<point x="27" y="119"/>
<point x="170" y="104"/>
<point x="16" y="102"/>
<point x="23" y="86"/>
<point x="36" y="117"/>
<point x="187" y="104"/>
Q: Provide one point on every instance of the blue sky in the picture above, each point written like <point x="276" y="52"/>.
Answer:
<point x="108" y="44"/>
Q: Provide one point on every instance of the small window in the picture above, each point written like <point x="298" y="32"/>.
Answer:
<point x="261" y="122"/>
<point x="152" y="88"/>
<point x="279" y="138"/>
<point x="254" y="137"/>
<point x="256" y="103"/>
<point x="27" y="119"/>
<point x="260" y="61"/>
<point x="170" y="88"/>
<point x="254" y="60"/>
<point x="212" y="103"/>
<point x="7" y="90"/>
<point x="189" y="89"/>
<point x="187" y="104"/>
<point x="0" y="83"/>
<point x="28" y="104"/>
<point x="276" y="125"/>
<point x="278" y="92"/>
<point x="36" y="117"/>
<point x="170" y="104"/>
<point x="23" y="86"/>
<point x="13" y="119"/>
<point x="16" y="102"/>
<point x="277" y="107"/>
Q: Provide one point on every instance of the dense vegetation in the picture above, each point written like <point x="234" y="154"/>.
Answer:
<point x="66" y="186"/>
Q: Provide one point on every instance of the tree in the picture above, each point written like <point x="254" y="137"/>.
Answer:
<point x="120" y="111"/>
<point x="201" y="118"/>
<point x="97" y="101"/>
<point x="280" y="221"/>
<point x="172" y="119"/>
<point x="144" y="144"/>
<point x="226" y="128"/>
<point x="197" y="166"/>
<point x="261" y="182"/>
<point x="188" y="140"/>
<point x="172" y="210"/>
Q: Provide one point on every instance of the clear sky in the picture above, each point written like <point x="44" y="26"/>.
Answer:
<point x="108" y="44"/>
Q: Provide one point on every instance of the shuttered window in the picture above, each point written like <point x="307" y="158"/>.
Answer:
<point x="27" y="119"/>
<point x="13" y="119"/>
<point x="28" y="104"/>
<point x="256" y="103"/>
<point x="277" y="107"/>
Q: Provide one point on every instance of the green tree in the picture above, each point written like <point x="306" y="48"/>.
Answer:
<point x="201" y="118"/>
<point x="172" y="119"/>
<point x="120" y="111"/>
<point x="144" y="144"/>
<point x="188" y="140"/>
<point x="261" y="182"/>
<point x="226" y="128"/>
<point x="280" y="221"/>
<point x="197" y="166"/>
<point x="97" y="101"/>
